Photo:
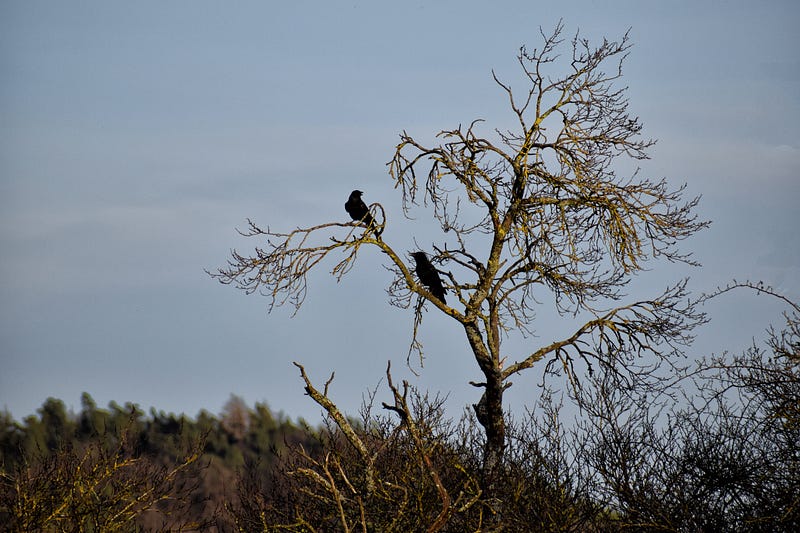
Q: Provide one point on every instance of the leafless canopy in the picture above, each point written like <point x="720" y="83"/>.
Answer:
<point x="536" y="211"/>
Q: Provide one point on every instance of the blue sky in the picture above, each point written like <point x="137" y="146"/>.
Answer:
<point x="135" y="138"/>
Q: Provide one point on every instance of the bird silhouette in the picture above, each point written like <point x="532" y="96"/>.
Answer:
<point x="358" y="210"/>
<point x="428" y="275"/>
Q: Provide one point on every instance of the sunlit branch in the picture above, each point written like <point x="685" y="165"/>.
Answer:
<point x="614" y="339"/>
<point x="324" y="401"/>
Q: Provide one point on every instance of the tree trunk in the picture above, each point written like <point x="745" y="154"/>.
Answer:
<point x="495" y="427"/>
<point x="489" y="410"/>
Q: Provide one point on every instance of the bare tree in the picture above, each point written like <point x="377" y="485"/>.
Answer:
<point x="529" y="215"/>
<point x="235" y="417"/>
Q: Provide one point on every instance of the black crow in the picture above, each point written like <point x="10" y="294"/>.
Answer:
<point x="358" y="210"/>
<point x="428" y="275"/>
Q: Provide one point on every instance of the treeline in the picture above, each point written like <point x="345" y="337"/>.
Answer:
<point x="123" y="469"/>
<point x="717" y="450"/>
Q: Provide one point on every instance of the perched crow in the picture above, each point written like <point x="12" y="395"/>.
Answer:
<point x="428" y="275"/>
<point x="358" y="210"/>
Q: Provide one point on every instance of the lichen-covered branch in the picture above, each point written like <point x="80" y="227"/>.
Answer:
<point x="541" y="214"/>
<point x="548" y="214"/>
<point x="620" y="341"/>
<point x="322" y="399"/>
<point x="280" y="269"/>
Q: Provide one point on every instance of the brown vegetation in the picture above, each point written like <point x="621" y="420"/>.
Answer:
<point x="528" y="216"/>
<point x="724" y="460"/>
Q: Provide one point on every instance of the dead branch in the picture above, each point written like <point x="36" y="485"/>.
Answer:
<point x="400" y="406"/>
<point x="348" y="431"/>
